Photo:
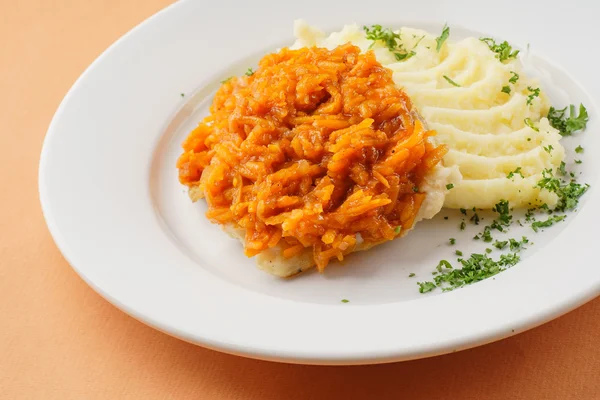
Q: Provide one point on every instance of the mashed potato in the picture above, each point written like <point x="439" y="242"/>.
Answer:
<point x="461" y="91"/>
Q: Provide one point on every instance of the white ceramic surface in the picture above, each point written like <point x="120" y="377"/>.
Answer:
<point x="110" y="195"/>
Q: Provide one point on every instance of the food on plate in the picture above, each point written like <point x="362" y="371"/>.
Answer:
<point x="315" y="155"/>
<point x="475" y="94"/>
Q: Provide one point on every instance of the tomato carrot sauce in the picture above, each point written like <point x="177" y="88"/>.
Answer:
<point x="313" y="149"/>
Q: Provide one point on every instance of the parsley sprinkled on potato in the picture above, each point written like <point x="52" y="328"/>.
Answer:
<point x="535" y="92"/>
<point x="390" y="39"/>
<point x="529" y="123"/>
<point x="450" y="81"/>
<point x="442" y="38"/>
<point x="517" y="171"/>
<point x="503" y="50"/>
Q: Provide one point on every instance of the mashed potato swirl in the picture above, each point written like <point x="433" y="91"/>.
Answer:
<point x="478" y="108"/>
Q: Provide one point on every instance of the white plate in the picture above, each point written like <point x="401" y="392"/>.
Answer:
<point x="109" y="191"/>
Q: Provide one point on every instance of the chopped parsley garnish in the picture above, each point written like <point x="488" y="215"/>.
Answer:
<point x="568" y="125"/>
<point x="463" y="211"/>
<point x="463" y="226"/>
<point x="487" y="235"/>
<point x="182" y="94"/>
<point x="449" y="186"/>
<point x="548" y="149"/>
<point x="529" y="216"/>
<point x="387" y="36"/>
<point x="516" y="245"/>
<point x="397" y="230"/>
<point x="549" y="222"/>
<point x="458" y="253"/>
<point x="404" y="56"/>
<point x="475" y="218"/>
<point x="562" y="169"/>
<point x="450" y="81"/>
<point x="415" y="189"/>
<point x="488" y="250"/>
<point x="418" y="41"/>
<point x="514" y="78"/>
<point x="442" y="38"/>
<point x="534" y="93"/>
<point x="474" y="269"/>
<point x="425" y="287"/>
<point x="412" y="274"/>
<point x="226" y="80"/>
<point x="579" y="149"/>
<point x="249" y="72"/>
<point x="517" y="171"/>
<point x="578" y="161"/>
<point x="529" y="123"/>
<point x="505" y="89"/>
<point x="443" y="264"/>
<point x="390" y="39"/>
<point x="568" y="193"/>
<point x="503" y="209"/>
<point x="452" y="241"/>
<point x="503" y="50"/>
<point x="345" y="301"/>
<point x="500" y="244"/>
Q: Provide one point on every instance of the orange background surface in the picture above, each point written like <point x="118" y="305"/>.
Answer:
<point x="60" y="340"/>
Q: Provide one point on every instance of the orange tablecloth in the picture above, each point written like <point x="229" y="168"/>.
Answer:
<point x="60" y="340"/>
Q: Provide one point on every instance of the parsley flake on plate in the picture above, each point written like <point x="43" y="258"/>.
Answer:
<point x="500" y="244"/>
<point x="474" y="269"/>
<point x="568" y="193"/>
<point x="571" y="124"/>
<point x="549" y="222"/>
<point x="425" y="287"/>
<point x="562" y="168"/>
